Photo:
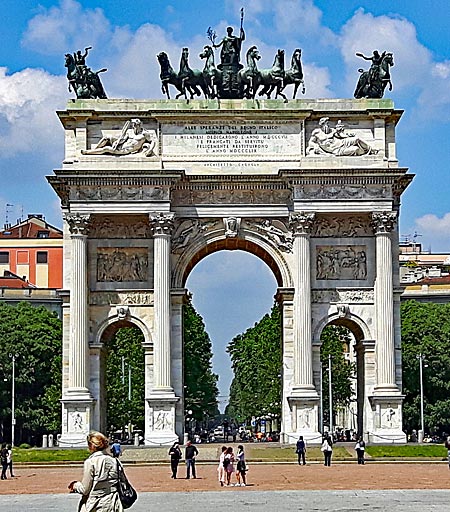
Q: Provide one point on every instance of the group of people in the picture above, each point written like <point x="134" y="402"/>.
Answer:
<point x="225" y="469"/>
<point x="6" y="460"/>
<point x="327" y="450"/>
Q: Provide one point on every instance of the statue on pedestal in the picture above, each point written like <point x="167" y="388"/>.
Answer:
<point x="84" y="82"/>
<point x="372" y="83"/>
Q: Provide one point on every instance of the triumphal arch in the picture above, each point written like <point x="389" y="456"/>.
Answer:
<point x="312" y="187"/>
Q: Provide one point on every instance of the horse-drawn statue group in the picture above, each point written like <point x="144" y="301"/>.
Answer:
<point x="230" y="78"/>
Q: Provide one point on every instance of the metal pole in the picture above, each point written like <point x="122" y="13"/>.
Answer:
<point x="330" y="393"/>
<point x="129" y="381"/>
<point x="321" y="398"/>
<point x="422" y="425"/>
<point x="123" y="370"/>
<point x="13" y="404"/>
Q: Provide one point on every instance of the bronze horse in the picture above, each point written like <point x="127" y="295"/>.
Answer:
<point x="374" y="88"/>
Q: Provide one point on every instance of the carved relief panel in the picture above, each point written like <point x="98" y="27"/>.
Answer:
<point x="122" y="264"/>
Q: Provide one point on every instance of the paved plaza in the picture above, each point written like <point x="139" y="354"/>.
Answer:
<point x="393" y="501"/>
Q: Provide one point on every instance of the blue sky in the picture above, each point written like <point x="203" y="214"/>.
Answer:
<point x="127" y="35"/>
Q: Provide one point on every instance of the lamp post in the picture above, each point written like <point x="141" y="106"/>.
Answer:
<point x="321" y="398"/>
<point x="13" y="397"/>
<point x="421" y="358"/>
<point x="330" y="394"/>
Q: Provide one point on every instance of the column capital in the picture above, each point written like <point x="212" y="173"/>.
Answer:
<point x="78" y="223"/>
<point x="161" y="223"/>
<point x="383" y="222"/>
<point x="301" y="223"/>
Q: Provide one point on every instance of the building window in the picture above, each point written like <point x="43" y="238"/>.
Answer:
<point x="43" y="234"/>
<point x="42" y="257"/>
<point x="4" y="257"/>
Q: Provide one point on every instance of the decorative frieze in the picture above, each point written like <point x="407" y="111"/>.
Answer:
<point x="344" y="296"/>
<point x="230" y="195"/>
<point x="341" y="262"/>
<point x="118" y="193"/>
<point x="132" y="298"/>
<point x="341" y="226"/>
<point x="121" y="265"/>
<point x="117" y="227"/>
<point x="341" y="191"/>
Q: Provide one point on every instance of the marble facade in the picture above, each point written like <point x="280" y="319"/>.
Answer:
<point x="234" y="174"/>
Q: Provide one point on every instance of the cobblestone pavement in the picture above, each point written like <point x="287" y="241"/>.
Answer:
<point x="305" y="501"/>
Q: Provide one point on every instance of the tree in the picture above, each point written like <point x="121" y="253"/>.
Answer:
<point x="125" y="389"/>
<point x="34" y="335"/>
<point x="200" y="382"/>
<point x="256" y="361"/>
<point x="334" y="339"/>
<point x="426" y="331"/>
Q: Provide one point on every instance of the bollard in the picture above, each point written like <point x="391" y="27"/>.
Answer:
<point x="185" y="438"/>
<point x="420" y="436"/>
<point x="44" y="441"/>
<point x="58" y="439"/>
<point x="50" y="440"/>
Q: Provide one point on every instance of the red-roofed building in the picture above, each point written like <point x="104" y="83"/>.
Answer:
<point x="33" y="250"/>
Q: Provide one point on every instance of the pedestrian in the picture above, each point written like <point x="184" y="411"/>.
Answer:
<point x="190" y="453"/>
<point x="10" y="460"/>
<point x="99" y="484"/>
<point x="327" y="449"/>
<point x="228" y="464"/>
<point x="360" y="448"/>
<point x="116" y="449"/>
<point x="221" y="468"/>
<point x="241" y="468"/>
<point x="4" y="460"/>
<point x="301" y="451"/>
<point x="175" y="456"/>
<point x="447" y="445"/>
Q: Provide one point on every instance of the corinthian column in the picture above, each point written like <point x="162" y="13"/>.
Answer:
<point x="301" y="224"/>
<point x="383" y="224"/>
<point x="79" y="342"/>
<point x="162" y="227"/>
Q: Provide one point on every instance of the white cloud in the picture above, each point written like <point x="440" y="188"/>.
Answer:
<point x="435" y="231"/>
<point x="57" y="29"/>
<point x="434" y="100"/>
<point x="28" y="100"/>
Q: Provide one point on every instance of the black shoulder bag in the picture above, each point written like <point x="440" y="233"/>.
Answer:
<point x="127" y="492"/>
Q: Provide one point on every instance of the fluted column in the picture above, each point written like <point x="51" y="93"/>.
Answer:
<point x="79" y="328"/>
<point x="162" y="227"/>
<point x="301" y="224"/>
<point x="383" y="224"/>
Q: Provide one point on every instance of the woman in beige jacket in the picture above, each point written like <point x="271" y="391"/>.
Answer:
<point x="100" y="477"/>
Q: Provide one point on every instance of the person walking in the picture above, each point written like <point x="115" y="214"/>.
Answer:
<point x="241" y="468"/>
<point x="190" y="453"/>
<point x="9" y="460"/>
<point x="360" y="448"/>
<point x="301" y="451"/>
<point x="221" y="468"/>
<point x="228" y="464"/>
<point x="327" y="449"/>
<point x="100" y="476"/>
<point x="116" y="449"/>
<point x="4" y="460"/>
<point x="175" y="456"/>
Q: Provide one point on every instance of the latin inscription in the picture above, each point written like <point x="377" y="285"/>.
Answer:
<point x="271" y="138"/>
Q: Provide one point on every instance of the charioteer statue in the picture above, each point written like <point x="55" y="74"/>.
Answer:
<point x="84" y="82"/>
<point x="372" y="83"/>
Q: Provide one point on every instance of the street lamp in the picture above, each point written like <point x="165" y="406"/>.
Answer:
<point x="13" y="357"/>
<point x="421" y="358"/>
<point x="330" y="394"/>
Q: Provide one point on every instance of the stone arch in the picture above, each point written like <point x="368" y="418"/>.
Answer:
<point x="353" y="322"/>
<point x="113" y="323"/>
<point x="248" y="241"/>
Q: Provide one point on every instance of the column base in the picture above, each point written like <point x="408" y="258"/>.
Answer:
<point x="304" y="412"/>
<point x="387" y="425"/>
<point x="160" y="419"/>
<point x="77" y="405"/>
<point x="305" y="392"/>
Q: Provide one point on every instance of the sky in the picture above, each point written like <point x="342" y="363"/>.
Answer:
<point x="127" y="35"/>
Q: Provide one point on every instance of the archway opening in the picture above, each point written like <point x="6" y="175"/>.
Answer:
<point x="232" y="291"/>
<point x="122" y="381"/>
<point x="341" y="408"/>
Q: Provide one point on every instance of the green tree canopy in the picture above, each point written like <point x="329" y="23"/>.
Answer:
<point x="34" y="335"/>
<point x="200" y="382"/>
<point x="125" y="379"/>
<point x="426" y="330"/>
<point x="335" y="340"/>
<point x="256" y="361"/>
